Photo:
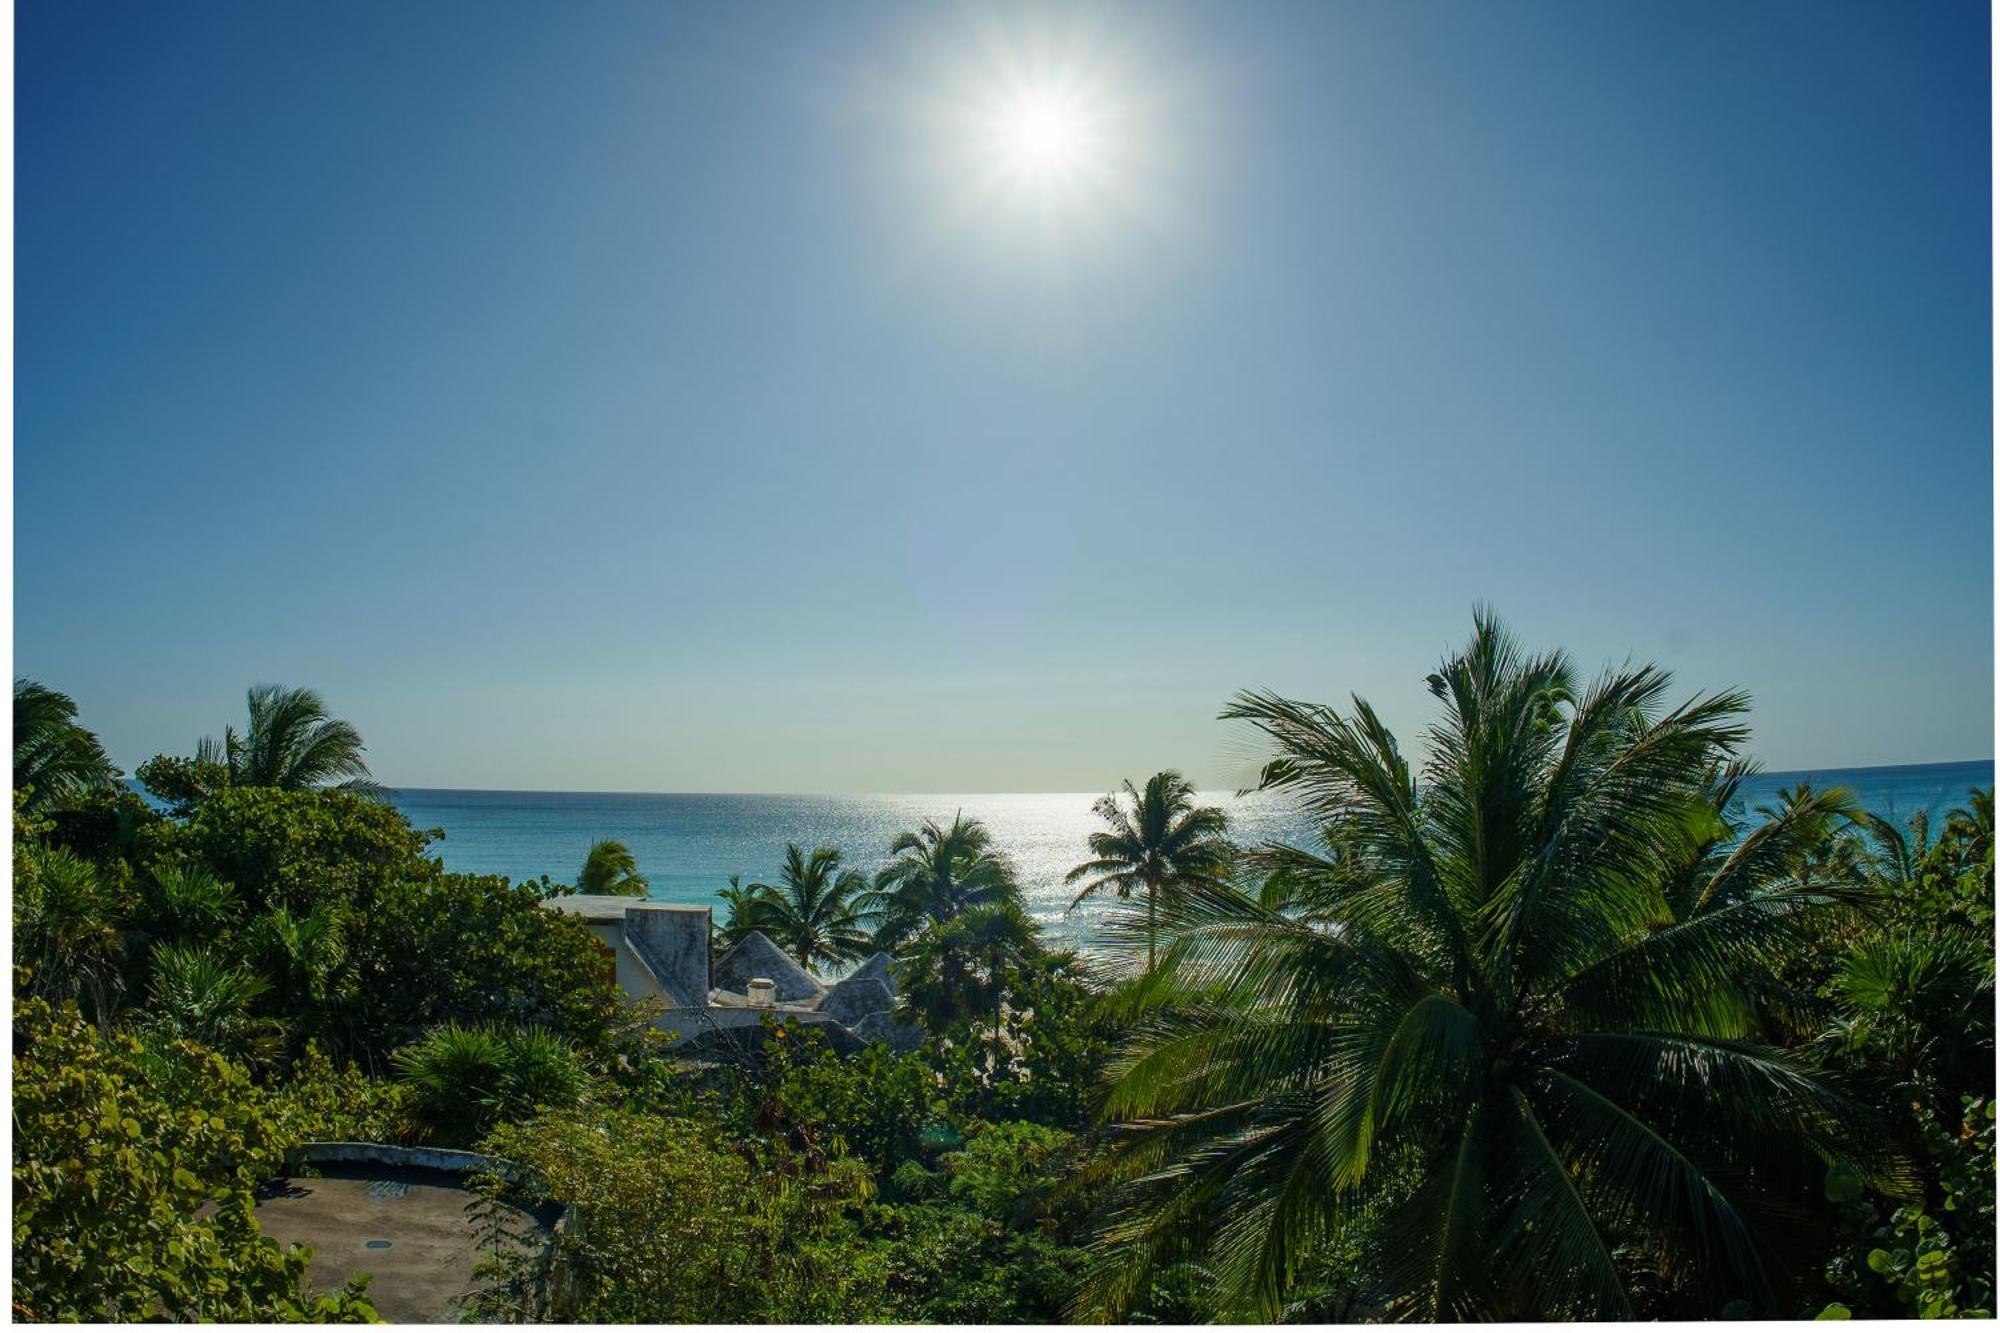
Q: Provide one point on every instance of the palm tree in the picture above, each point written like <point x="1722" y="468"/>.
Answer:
<point x="743" y="905"/>
<point x="1480" y="1015"/>
<point x="65" y="932"/>
<point x="306" y="960"/>
<point x="609" y="868"/>
<point x="1163" y="843"/>
<point x="464" y="1079"/>
<point x="198" y="997"/>
<point x="188" y="904"/>
<point x="292" y="743"/>
<point x="959" y="969"/>
<point x="53" y="756"/>
<point x="937" y="873"/>
<point x="812" y="913"/>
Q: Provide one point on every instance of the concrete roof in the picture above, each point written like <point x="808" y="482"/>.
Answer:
<point x="593" y="906"/>
<point x="757" y="957"/>
<point x="880" y="968"/>
<point x="409" y="1230"/>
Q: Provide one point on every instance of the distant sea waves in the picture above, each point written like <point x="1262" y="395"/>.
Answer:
<point x="689" y="845"/>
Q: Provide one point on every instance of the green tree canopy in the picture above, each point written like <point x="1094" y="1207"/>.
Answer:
<point x="1161" y="843"/>
<point x="54" y="759"/>
<point x="1479" y="1010"/>
<point x="813" y="912"/>
<point x="936" y="874"/>
<point x="610" y="868"/>
<point x="291" y="742"/>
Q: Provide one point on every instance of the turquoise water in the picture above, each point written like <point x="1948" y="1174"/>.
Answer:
<point x="689" y="845"/>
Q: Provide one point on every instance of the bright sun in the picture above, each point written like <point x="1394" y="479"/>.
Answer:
<point x="1048" y="134"/>
<point x="1044" y="135"/>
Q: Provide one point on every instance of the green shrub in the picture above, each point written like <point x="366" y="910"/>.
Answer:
<point x="118" y="1150"/>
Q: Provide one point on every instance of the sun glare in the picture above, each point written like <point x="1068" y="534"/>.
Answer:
<point x="1043" y="135"/>
<point x="1051" y="135"/>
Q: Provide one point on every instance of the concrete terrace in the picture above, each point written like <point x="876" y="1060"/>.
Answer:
<point x="408" y="1227"/>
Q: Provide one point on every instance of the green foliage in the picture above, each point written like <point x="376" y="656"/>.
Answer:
<point x="292" y="743"/>
<point x="873" y="1105"/>
<point x="196" y="996"/>
<point x="1488" y="983"/>
<point x="465" y="1080"/>
<point x="813" y="912"/>
<point x="295" y="849"/>
<point x="320" y="1101"/>
<point x="1040" y="1056"/>
<point x="118" y="1150"/>
<point x="65" y="931"/>
<point x="1932" y="1259"/>
<point x="935" y="874"/>
<point x="55" y="760"/>
<point x="366" y="941"/>
<point x="986" y="1238"/>
<point x="609" y="868"/>
<point x="666" y="1224"/>
<point x="473" y="949"/>
<point x="957" y="970"/>
<point x="739" y="915"/>
<point x="182" y="783"/>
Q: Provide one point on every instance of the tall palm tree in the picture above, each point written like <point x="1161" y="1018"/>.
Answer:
<point x="1480" y="1015"/>
<point x="293" y="743"/>
<point x="609" y="868"/>
<point x="812" y="912"/>
<point x="959" y="969"/>
<point x="1163" y="843"/>
<point x="935" y="874"/>
<point x="53" y="756"/>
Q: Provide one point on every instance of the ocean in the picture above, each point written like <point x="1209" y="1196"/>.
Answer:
<point x="688" y="845"/>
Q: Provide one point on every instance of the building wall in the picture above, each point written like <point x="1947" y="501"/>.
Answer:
<point x="630" y="974"/>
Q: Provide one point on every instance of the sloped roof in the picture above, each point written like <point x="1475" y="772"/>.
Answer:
<point x="856" y="997"/>
<point x="757" y="957"/>
<point x="886" y="1027"/>
<point x="879" y="968"/>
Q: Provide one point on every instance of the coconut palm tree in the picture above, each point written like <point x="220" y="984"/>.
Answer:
<point x="1161" y="844"/>
<point x="610" y="868"/>
<point x="53" y="756"/>
<point x="959" y="969"/>
<point x="1479" y="1014"/>
<point x="935" y="874"/>
<point x="292" y="742"/>
<point x="812" y="912"/>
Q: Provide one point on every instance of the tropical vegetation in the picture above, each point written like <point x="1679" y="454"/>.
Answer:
<point x="610" y="868"/>
<point x="1549" y="1022"/>
<point x="1161" y="842"/>
<point x="813" y="912"/>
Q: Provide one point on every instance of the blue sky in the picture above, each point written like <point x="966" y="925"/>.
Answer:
<point x="664" y="396"/>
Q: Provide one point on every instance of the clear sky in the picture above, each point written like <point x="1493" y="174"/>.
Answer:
<point x="680" y="396"/>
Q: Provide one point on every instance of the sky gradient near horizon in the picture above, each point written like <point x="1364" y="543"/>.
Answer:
<point x="651" y="396"/>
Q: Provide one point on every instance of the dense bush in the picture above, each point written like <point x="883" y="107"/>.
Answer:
<point x="133" y="1172"/>
<point x="668" y="1223"/>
